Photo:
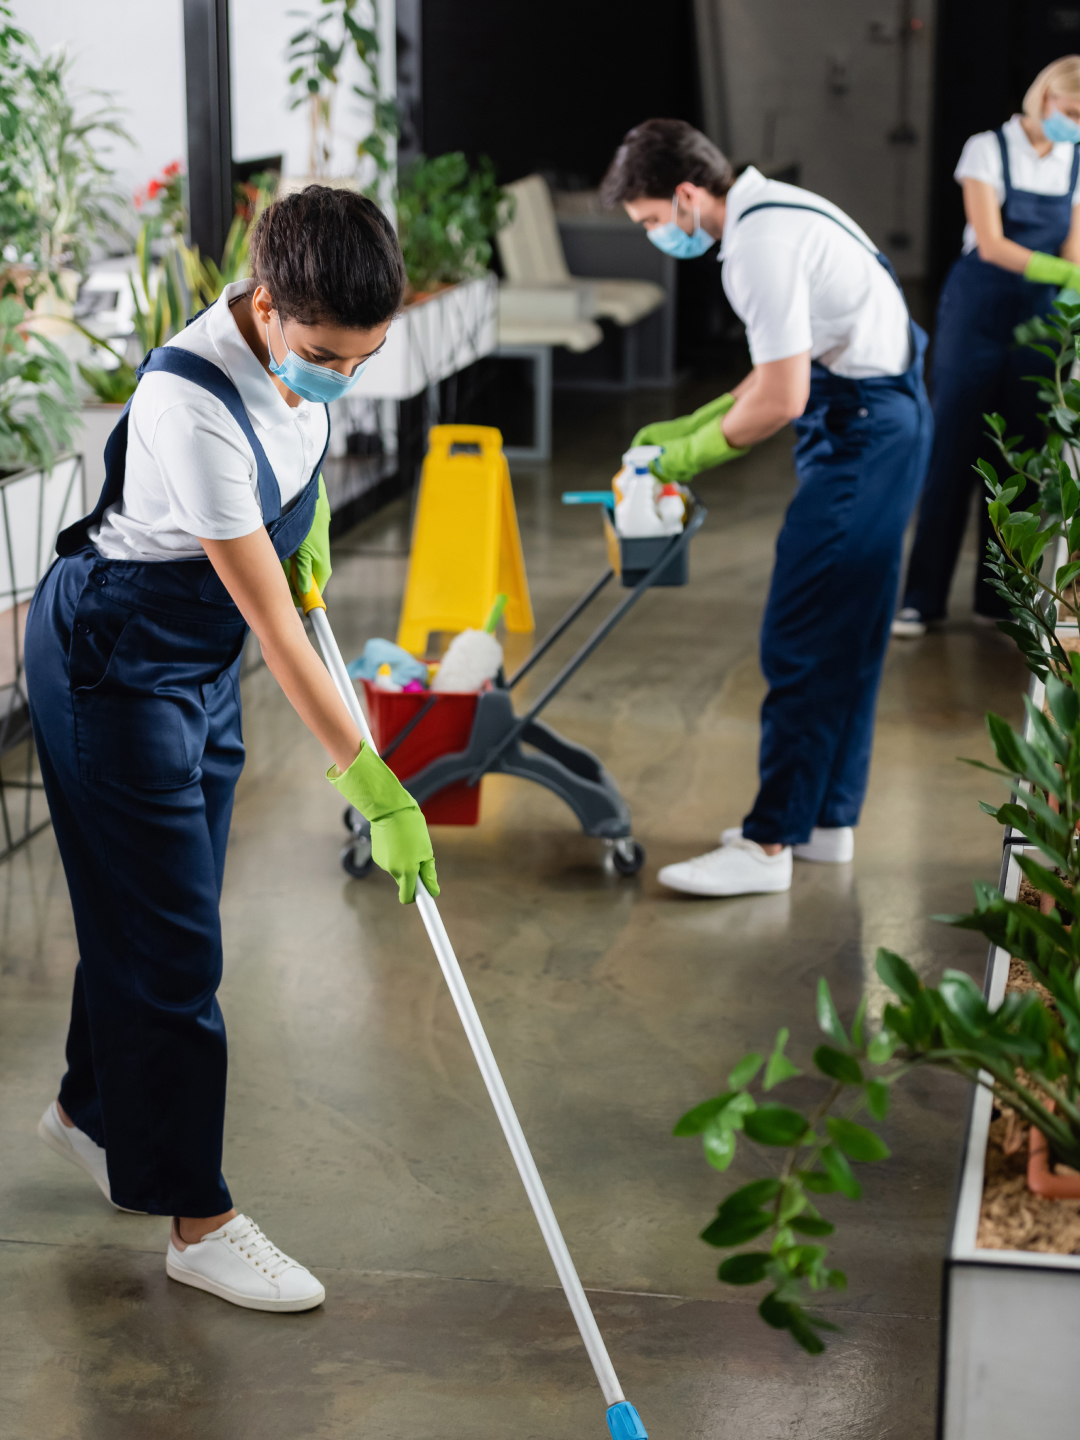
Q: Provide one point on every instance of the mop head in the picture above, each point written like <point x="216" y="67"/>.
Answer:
<point x="473" y="658"/>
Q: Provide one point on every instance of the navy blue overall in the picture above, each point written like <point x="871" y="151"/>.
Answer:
<point x="978" y="368"/>
<point x="132" y="670"/>
<point x="860" y="456"/>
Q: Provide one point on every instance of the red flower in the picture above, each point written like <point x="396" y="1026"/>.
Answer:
<point x="176" y="168"/>
<point x="154" y="189"/>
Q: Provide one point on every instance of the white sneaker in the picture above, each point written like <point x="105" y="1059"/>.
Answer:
<point x="239" y="1264"/>
<point x="834" y="845"/>
<point x="908" y="625"/>
<point x="73" y="1145"/>
<point x="739" y="867"/>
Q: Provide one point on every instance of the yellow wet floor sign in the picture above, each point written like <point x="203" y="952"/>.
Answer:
<point x="466" y="546"/>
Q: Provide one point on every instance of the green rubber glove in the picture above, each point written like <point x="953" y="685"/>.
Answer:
<point x="706" y="447"/>
<point x="1052" y="270"/>
<point x="400" y="843"/>
<point x="313" y="556"/>
<point x="662" y="432"/>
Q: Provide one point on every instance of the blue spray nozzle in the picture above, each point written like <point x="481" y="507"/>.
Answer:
<point x="625" y="1423"/>
<point x="589" y="497"/>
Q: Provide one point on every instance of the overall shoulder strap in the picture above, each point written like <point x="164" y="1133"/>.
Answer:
<point x="174" y="361"/>
<point x="882" y="259"/>
<point x="1074" y="173"/>
<point x="792" y="205"/>
<point x="1006" y="177"/>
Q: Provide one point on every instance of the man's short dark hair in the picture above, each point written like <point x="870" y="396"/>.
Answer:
<point x="328" y="256"/>
<point x="658" y="155"/>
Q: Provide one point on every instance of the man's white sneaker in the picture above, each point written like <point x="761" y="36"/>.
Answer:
<point x="74" y="1145"/>
<point x="239" y="1264"/>
<point x="834" y="845"/>
<point x="831" y="846"/>
<point x="739" y="867"/>
<point x="908" y="625"/>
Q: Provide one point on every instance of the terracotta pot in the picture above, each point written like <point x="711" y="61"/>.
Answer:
<point x="1041" y="1180"/>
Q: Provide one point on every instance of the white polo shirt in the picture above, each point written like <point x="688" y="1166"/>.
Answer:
<point x="799" y="281"/>
<point x="1046" y="174"/>
<point x="190" y="471"/>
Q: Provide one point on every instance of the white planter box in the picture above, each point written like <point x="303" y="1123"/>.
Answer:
<point x="98" y="421"/>
<point x="1010" y="1322"/>
<point x="35" y="506"/>
<point x="434" y="339"/>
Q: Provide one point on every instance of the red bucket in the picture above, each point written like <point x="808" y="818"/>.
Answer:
<point x="444" y="730"/>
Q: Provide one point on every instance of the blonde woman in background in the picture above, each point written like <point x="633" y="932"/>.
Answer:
<point x="1021" y="245"/>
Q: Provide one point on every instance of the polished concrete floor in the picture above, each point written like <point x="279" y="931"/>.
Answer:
<point x="358" y="1133"/>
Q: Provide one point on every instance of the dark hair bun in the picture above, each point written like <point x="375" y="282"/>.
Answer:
<point x="328" y="256"/>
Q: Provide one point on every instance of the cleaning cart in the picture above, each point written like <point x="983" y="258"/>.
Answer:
<point x="441" y="745"/>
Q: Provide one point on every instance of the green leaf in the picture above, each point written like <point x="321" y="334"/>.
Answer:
<point x="779" y="1067"/>
<point x="838" y="1066"/>
<point x="694" y="1121"/>
<point x="1063" y="700"/>
<point x="881" y="1047"/>
<point x="718" y="1142"/>
<point x="897" y="974"/>
<point x="745" y="1269"/>
<point x="784" y="1316"/>
<point x="775" y="1125"/>
<point x="738" y="1230"/>
<point x="811" y="1225"/>
<point x="745" y="1071"/>
<point x="858" y="1024"/>
<point x="877" y="1099"/>
<point x="750" y="1198"/>
<point x="840" y="1172"/>
<point x="856" y="1141"/>
<point x="818" y="1181"/>
<point x="827" y="1018"/>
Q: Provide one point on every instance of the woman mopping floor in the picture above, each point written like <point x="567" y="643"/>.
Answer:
<point x="213" y="517"/>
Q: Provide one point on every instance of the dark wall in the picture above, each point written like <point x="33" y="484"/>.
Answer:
<point x="551" y="87"/>
<point x="988" y="53"/>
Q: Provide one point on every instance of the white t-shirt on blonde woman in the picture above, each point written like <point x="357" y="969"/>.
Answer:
<point x="1046" y="174"/>
<point x="190" y="470"/>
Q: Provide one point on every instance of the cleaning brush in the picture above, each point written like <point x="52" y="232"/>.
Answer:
<point x="473" y="657"/>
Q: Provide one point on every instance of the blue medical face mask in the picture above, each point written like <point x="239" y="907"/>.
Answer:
<point x="311" y="382"/>
<point x="1060" y="129"/>
<point x="673" y="240"/>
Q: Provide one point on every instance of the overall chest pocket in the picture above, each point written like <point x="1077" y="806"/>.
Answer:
<point x="139" y="717"/>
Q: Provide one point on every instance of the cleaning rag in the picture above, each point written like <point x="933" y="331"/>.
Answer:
<point x="403" y="666"/>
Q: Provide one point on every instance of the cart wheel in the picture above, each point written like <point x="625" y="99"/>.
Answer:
<point x="356" y="859"/>
<point x="627" y="856"/>
<point x="354" y="822"/>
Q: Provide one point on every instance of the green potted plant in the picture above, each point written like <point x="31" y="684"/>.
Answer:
<point x="1017" y="1044"/>
<point x="36" y="395"/>
<point x="316" y="54"/>
<point x="448" y="216"/>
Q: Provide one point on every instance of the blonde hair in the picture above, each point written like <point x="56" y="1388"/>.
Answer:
<point x="1063" y="77"/>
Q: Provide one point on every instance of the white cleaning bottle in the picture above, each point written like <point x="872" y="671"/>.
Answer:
<point x="671" y="508"/>
<point x="636" y="515"/>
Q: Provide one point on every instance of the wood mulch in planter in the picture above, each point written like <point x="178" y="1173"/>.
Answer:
<point x="1011" y="1217"/>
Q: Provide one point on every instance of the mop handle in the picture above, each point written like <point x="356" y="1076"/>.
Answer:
<point x="504" y="1109"/>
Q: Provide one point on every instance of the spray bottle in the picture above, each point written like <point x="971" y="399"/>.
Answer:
<point x="636" y="489"/>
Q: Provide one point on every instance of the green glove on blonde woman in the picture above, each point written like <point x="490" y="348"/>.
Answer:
<point x="1052" y="270"/>
<point x="400" y="843"/>
<point x="313" y="556"/>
